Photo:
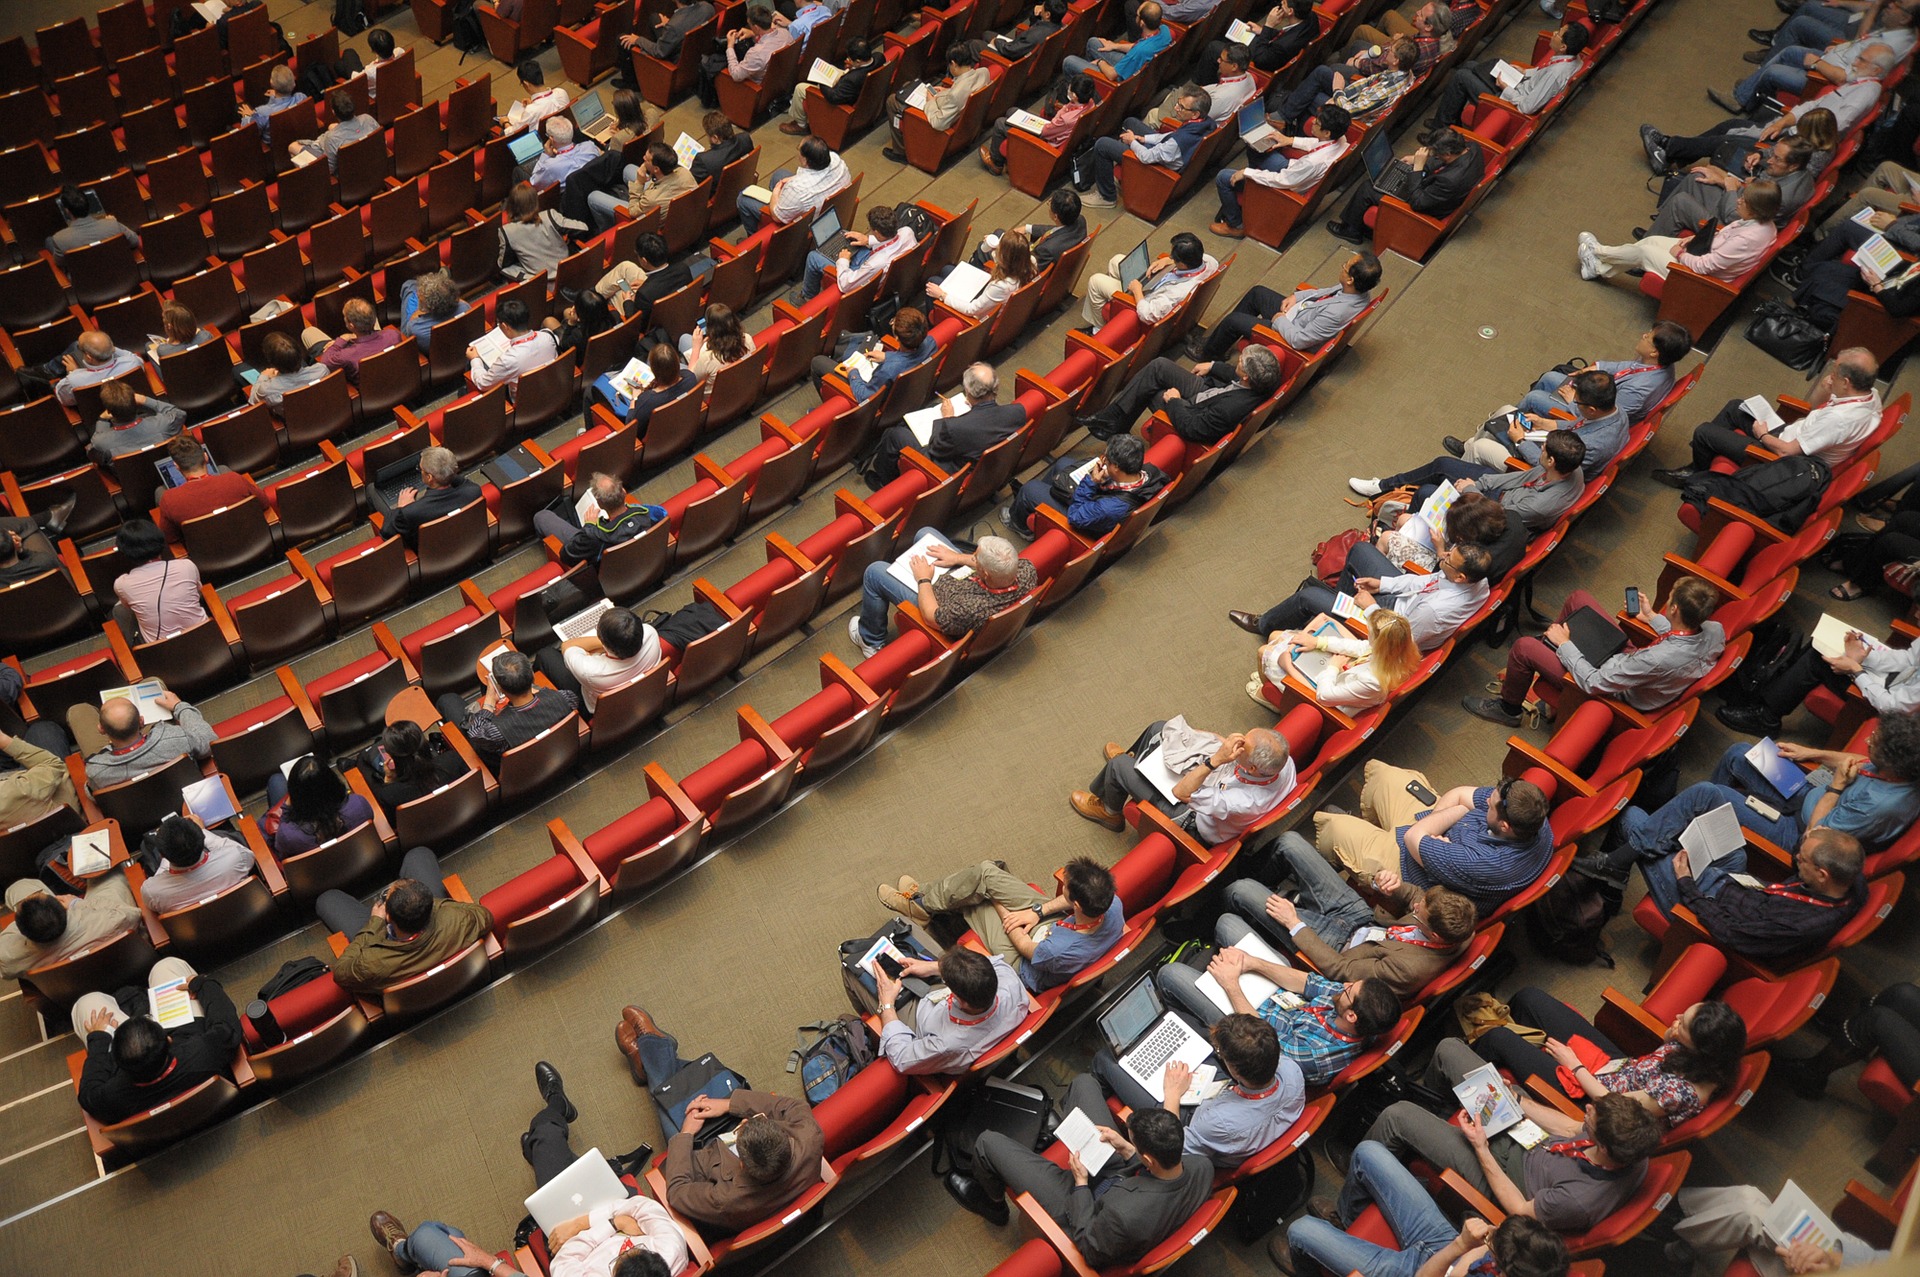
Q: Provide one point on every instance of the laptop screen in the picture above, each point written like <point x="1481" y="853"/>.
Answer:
<point x="1252" y="116"/>
<point x="826" y="229"/>
<point x="525" y="146"/>
<point x="588" y="109"/>
<point x="1377" y="154"/>
<point x="1135" y="267"/>
<point x="1131" y="1016"/>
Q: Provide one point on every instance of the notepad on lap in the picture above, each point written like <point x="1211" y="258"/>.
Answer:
<point x="1345" y="606"/>
<point x="902" y="568"/>
<point x="921" y="420"/>
<point x="1830" y="637"/>
<point x="1027" y="120"/>
<point x="207" y="800"/>
<point x="918" y="98"/>
<point x="89" y="853"/>
<point x="759" y="193"/>
<point x="1078" y="1133"/>
<point x="1877" y="259"/>
<point x="963" y="283"/>
<point x="1762" y="410"/>
<point x="1257" y="988"/>
<point x="1506" y="75"/>
<point x="1153" y="766"/>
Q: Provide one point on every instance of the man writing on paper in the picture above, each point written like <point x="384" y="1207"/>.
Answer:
<point x="1216" y="786"/>
<point x="951" y="434"/>
<point x="948" y="1030"/>
<point x="952" y="601"/>
<point x="862" y="59"/>
<point x="1262" y="1097"/>
<point x="1846" y="409"/>
<point x="1047" y="940"/>
<point x="1888" y="677"/>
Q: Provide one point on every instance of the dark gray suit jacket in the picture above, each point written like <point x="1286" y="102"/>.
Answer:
<point x="965" y="437"/>
<point x="1137" y="1213"/>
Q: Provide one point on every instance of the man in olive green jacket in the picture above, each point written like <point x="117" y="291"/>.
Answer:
<point x="411" y="927"/>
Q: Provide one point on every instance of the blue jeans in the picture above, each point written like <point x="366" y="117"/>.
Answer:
<point x="751" y="210"/>
<point x="1271" y="162"/>
<point x="816" y="271"/>
<point x="881" y="592"/>
<point x="1075" y="66"/>
<point x="1784" y="72"/>
<point x="660" y="1058"/>
<point x="605" y="206"/>
<point x="1814" y="25"/>
<point x="276" y="788"/>
<point x="1329" y="907"/>
<point x="431" y="1246"/>
<point x="1376" y="1175"/>
<point x="1107" y="153"/>
<point x="1663" y="885"/>
<point x="1543" y="399"/>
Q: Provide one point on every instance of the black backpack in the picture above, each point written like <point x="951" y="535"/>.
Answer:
<point x="468" y="36"/>
<point x="1569" y="921"/>
<point x="827" y="1053"/>
<point x="1783" y="492"/>
<point x="923" y="223"/>
<point x="350" y="16"/>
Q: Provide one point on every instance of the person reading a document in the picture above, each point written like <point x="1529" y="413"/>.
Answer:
<point x="1344" y="672"/>
<point x="1215" y="786"/>
<point x="953" y="433"/>
<point x="956" y="592"/>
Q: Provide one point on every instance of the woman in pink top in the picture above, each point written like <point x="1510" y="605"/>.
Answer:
<point x="1737" y="247"/>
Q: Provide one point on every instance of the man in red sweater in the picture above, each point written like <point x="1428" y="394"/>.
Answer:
<point x="200" y="493"/>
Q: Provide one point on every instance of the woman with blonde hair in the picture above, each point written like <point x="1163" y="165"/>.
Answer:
<point x="1362" y="672"/>
<point x="1013" y="269"/>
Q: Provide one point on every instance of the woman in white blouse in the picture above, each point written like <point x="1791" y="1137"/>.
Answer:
<point x="1013" y="269"/>
<point x="719" y="340"/>
<point x="1362" y="673"/>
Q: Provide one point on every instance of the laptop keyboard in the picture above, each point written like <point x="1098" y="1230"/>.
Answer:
<point x="1156" y="1048"/>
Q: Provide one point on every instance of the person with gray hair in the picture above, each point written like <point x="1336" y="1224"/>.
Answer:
<point x="615" y="522"/>
<point x="427" y="300"/>
<point x="969" y="423"/>
<point x="282" y="92"/>
<point x="1845" y="410"/>
<point x="1172" y="144"/>
<point x="1203" y="407"/>
<point x="1222" y="785"/>
<point x="89" y="361"/>
<point x="1096" y="496"/>
<point x="562" y="154"/>
<point x="952" y="603"/>
<point x="512" y="709"/>
<point x="445" y="491"/>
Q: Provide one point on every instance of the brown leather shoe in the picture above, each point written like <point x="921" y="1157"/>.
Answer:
<point x="1113" y="749"/>
<point x="387" y="1230"/>
<point x="626" y="1036"/>
<point x="1091" y="808"/>
<point x="986" y="158"/>
<point x="1226" y="230"/>
<point x="1248" y="621"/>
<point x="793" y="130"/>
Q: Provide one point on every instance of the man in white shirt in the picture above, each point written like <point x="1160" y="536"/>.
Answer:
<point x="861" y="257"/>
<point x="1223" y="786"/>
<point x="982" y="1001"/>
<point x="528" y="348"/>
<point x="1786" y="71"/>
<point x="539" y="103"/>
<point x="1232" y="90"/>
<point x="796" y="194"/>
<point x="1319" y="150"/>
<point x="1435" y="604"/>
<point x="1537" y="86"/>
<point x="621" y="648"/>
<point x="194" y="864"/>
<point x="1159" y="293"/>
<point x="1846" y="409"/>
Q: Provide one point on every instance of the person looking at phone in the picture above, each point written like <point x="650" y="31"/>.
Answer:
<point x="1485" y="843"/>
<point x="412" y="926"/>
<point x="950" y="1028"/>
<point x="1046" y="939"/>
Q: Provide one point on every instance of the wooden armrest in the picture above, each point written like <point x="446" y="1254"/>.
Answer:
<point x="1535" y="756"/>
<point x="1154" y="820"/>
<point x="296" y="692"/>
<point x="218" y="611"/>
<point x="566" y="844"/>
<point x="383" y="639"/>
<point x="603" y="416"/>
<point x="771" y="427"/>
<point x="1792" y="408"/>
<point x="1630" y="1025"/>
<point x="844" y="502"/>
<point x="476" y="600"/>
<point x="1077" y="340"/>
<point x="711" y="593"/>
<point x="540" y="455"/>
<point x="464" y="747"/>
<point x="358" y="784"/>
<point x="1471" y="1198"/>
<point x="755" y="728"/>
<point x="834" y="671"/>
<point x="707" y="468"/>
<point x="837" y="384"/>
<point x="1771" y="850"/>
<point x="1551" y="1095"/>
<point x="664" y="787"/>
<point x="1051" y="517"/>
<point x="298" y="562"/>
<point x="263" y="858"/>
<point x="1055" y="1235"/>
<point x="122" y="654"/>
<point x="69" y="555"/>
<point x="913" y="458"/>
<point x="778" y="547"/>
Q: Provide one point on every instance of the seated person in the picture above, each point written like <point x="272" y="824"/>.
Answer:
<point x="90" y="360"/>
<point x="348" y="127"/>
<point x="945" y="102"/>
<point x="1130" y="1214"/>
<point x="1263" y="1097"/>
<point x="158" y="596"/>
<point x="1306" y="318"/>
<point x="1639" y="384"/>
<point x="1734" y="1218"/>
<point x="1885" y="676"/>
<point x="1484" y="843"/>
<point x="133" y="747"/>
<point x="617" y="521"/>
<point x="1787" y="67"/>
<point x="1538" y="497"/>
<point x="1285" y="32"/>
<point x="562" y="155"/>
<point x="621" y="648"/>
<point x="35" y="781"/>
<point x="1707" y="191"/>
<point x="179" y="330"/>
<point x="633" y="287"/>
<point x="958" y="438"/>
<point x="1010" y="269"/>
<point x="860" y="59"/>
<point x="364" y="337"/>
<point x="134" y="1065"/>
<point x="776" y="1151"/>
<point x="1846" y="409"/>
<point x="426" y="300"/>
<point x="1226" y="783"/>
<point x="407" y="763"/>
<point x="318" y="808"/>
<point x="1598" y="418"/>
<point x="980" y="1003"/>
<point x="1064" y="229"/>
<point x="190" y="863"/>
<point x="511" y="711"/>
<point x="1699" y="1059"/>
<point x="1364" y="95"/>
<point x="1119" y="481"/>
<point x="1047" y="940"/>
<point x="1123" y="58"/>
<point x="130" y="422"/>
<point x="1362" y="673"/>
<point x="83" y="225"/>
<point x="796" y="194"/>
<point x="720" y="340"/>
<point x="953" y="605"/>
<point x="1321" y="147"/>
<point x="1520" y="1247"/>
<point x="913" y="346"/>
<point x="745" y="53"/>
<point x="1322" y="922"/>
<point x="671" y="380"/>
<point x="1830" y="272"/>
<point x="1229" y="88"/>
<point x="1325" y="1033"/>
<point x="1172" y="145"/>
<point x="662" y="34"/>
<point x="1045" y="18"/>
<point x="1431" y="30"/>
<point x="1435" y="604"/>
<point x="202" y="489"/>
<point x="1069" y="99"/>
<point x="47" y="928"/>
<point x="1569" y="1185"/>
<point x="725" y="144"/>
<point x="1538" y="85"/>
<point x="861" y="257"/>
<point x="1737" y="246"/>
<point x="1204" y="405"/>
<point x="285" y="368"/>
<point x="540" y="102"/>
<point x="443" y="490"/>
<point x="1160" y="292"/>
<point x="1889" y="1024"/>
<point x="529" y="346"/>
<point x="411" y="927"/>
<point x="1685" y="646"/>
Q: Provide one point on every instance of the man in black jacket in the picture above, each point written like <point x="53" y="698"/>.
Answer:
<point x="1434" y="181"/>
<point x="1047" y="17"/>
<point x="725" y="144"/>
<point x="954" y="438"/>
<point x="614" y="521"/>
<point x="1288" y="28"/>
<point x="1203" y="409"/>
<point x="1047" y="242"/>
<point x="635" y="291"/>
<point x="669" y="33"/>
<point x="862" y="59"/>
<point x="133" y="1064"/>
<point x="444" y="492"/>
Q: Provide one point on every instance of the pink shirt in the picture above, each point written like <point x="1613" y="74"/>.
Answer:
<point x="1737" y="248"/>
<point x="347" y="352"/>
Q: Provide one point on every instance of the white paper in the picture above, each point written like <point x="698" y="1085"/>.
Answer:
<point x="917" y="100"/>
<point x="1078" y="1133"/>
<point x="1506" y="75"/>
<point x="302" y="158"/>
<point x="824" y="73"/>
<point x="1154" y="767"/>
<point x="490" y="345"/>
<point x="211" y="10"/>
<point x="1712" y="835"/>
<point x="883" y="945"/>
<point x="1525" y="1133"/>
<point x="1876" y="259"/>
<point x="1830" y="637"/>
<point x="1027" y="120"/>
<point x="207" y="799"/>
<point x="1241" y="33"/>
<point x="859" y="364"/>
<point x="1865" y="216"/>
<point x="1257" y="988"/>
<point x="963" y="283"/>
<point x="902" y="569"/>
<point x="586" y="508"/>
<point x="1794" y="1218"/>
<point x="1365" y="935"/>
<point x="1434" y="511"/>
<point x="1081" y="472"/>
<point x="89" y="853"/>
<point x="143" y="694"/>
<point x="172" y="1006"/>
<point x="1762" y="411"/>
<point x="921" y="420"/>
<point x="631" y="380"/>
<point x="286" y="768"/>
<point x="686" y="148"/>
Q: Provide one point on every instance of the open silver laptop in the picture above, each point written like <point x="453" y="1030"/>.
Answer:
<point x="587" y="1184"/>
<point x="1146" y="1037"/>
<point x="591" y="119"/>
<point x="582" y="623"/>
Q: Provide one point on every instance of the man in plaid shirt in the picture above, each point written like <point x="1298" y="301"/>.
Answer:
<point x="1322" y="1026"/>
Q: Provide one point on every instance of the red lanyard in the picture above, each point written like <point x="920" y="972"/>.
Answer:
<point x="1412" y="935"/>
<point x="977" y="1019"/>
<point x="1633" y="369"/>
<point x="1254" y="780"/>
<point x="1320" y="1013"/>
<point x="1785" y="891"/>
<point x="163" y="1075"/>
<point x="1245" y="1094"/>
<point x="1572" y="1148"/>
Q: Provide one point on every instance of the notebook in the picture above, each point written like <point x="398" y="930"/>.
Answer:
<point x="144" y="696"/>
<point x="1153" y="766"/>
<point x="1311" y="665"/>
<point x="1597" y="637"/>
<point x="1830" y="637"/>
<point x="207" y="800"/>
<point x="921" y="420"/>
<point x="1027" y="120"/>
<point x="1257" y="988"/>
<point x="582" y="623"/>
<point x="824" y="73"/>
<point x="1782" y="773"/>
<point x="963" y="283"/>
<point x="580" y="1189"/>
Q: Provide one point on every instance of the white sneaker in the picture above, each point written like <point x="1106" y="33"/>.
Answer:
<point x="1365" y="487"/>
<point x="853" y="632"/>
<point x="1590" y="266"/>
<point x="1094" y="199"/>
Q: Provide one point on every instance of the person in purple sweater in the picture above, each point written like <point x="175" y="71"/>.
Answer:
<point x="318" y="807"/>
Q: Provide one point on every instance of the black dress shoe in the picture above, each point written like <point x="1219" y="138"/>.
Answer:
<point x="553" y="1090"/>
<point x="967" y="1191"/>
<point x="1455" y="444"/>
<point x="1247" y="621"/>
<point x="1352" y="234"/>
<point x="1673" y="478"/>
<point x="898" y="157"/>
<point x="1754" y="720"/>
<point x="1761" y="35"/>
<point x="1639" y="232"/>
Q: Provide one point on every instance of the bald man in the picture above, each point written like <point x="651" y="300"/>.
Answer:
<point x="1223" y="785"/>
<point x="92" y="359"/>
<point x="134" y="748"/>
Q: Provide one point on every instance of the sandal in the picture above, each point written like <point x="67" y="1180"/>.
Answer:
<point x="1870" y="523"/>
<point x="1846" y="592"/>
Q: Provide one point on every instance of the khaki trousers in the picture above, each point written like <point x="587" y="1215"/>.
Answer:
<point x="1367" y="844"/>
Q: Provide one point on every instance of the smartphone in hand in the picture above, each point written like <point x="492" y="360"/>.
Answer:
<point x="1633" y="600"/>
<point x="889" y="964"/>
